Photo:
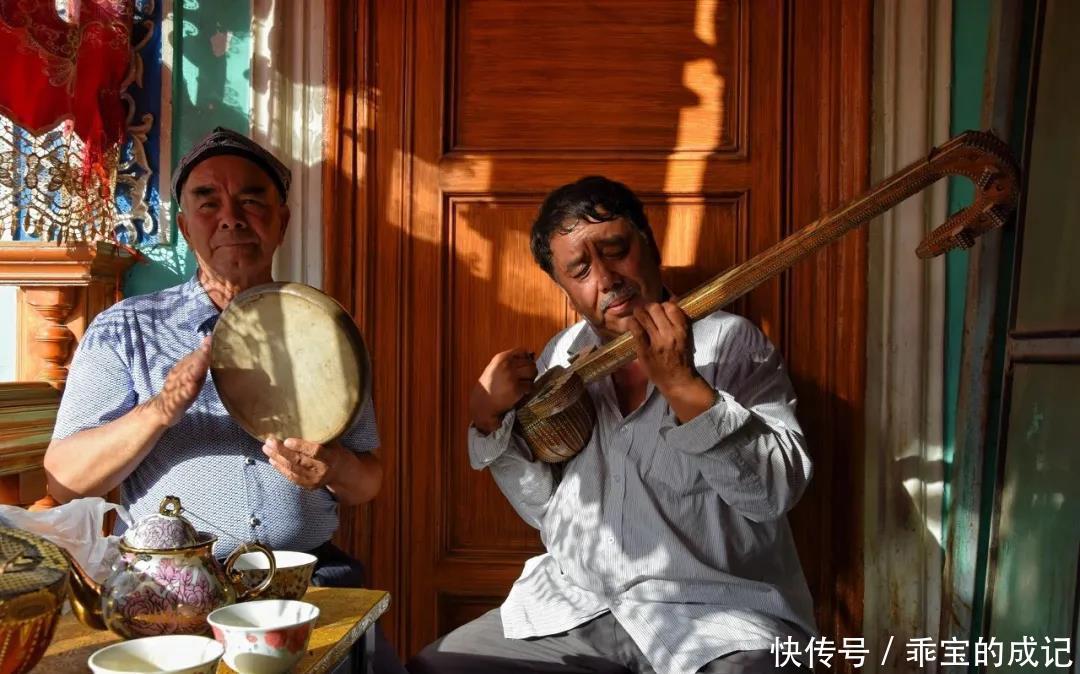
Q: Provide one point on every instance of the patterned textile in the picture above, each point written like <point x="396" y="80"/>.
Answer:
<point x="226" y="141"/>
<point x="678" y="530"/>
<point x="225" y="482"/>
<point x="55" y="69"/>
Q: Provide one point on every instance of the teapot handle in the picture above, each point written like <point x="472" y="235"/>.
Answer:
<point x="243" y="592"/>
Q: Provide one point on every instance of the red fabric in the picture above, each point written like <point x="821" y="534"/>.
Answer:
<point x="51" y="70"/>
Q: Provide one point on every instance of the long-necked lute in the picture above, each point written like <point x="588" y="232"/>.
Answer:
<point x="557" y="418"/>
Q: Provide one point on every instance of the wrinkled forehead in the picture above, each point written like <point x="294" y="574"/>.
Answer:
<point x="573" y="233"/>
<point x="230" y="174"/>
<point x="584" y="229"/>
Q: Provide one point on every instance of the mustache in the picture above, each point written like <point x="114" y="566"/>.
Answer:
<point x="618" y="296"/>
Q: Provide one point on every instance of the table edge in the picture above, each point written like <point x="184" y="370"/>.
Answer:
<point x="336" y="653"/>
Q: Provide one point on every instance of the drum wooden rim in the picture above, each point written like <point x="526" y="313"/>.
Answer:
<point x="346" y="328"/>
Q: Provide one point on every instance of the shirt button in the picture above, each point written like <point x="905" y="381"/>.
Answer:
<point x="617" y="602"/>
<point x="618" y="479"/>
<point x="254" y="521"/>
<point x="610" y="539"/>
<point x="249" y="461"/>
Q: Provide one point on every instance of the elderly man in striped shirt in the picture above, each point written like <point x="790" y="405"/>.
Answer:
<point x="668" y="547"/>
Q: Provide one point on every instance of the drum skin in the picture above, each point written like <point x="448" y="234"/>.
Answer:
<point x="289" y="362"/>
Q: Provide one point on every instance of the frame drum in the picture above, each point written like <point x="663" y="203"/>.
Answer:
<point x="289" y="362"/>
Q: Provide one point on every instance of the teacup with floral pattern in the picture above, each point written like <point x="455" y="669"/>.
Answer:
<point x="291" y="579"/>
<point x="266" y="636"/>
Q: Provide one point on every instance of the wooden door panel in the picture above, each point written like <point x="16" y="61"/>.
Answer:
<point x="456" y="610"/>
<point x="698" y="236"/>
<point x="555" y="76"/>
<point x="498" y="300"/>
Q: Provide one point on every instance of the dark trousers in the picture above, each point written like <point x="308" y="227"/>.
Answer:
<point x="337" y="569"/>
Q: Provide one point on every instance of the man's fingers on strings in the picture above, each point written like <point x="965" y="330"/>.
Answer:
<point x="636" y="329"/>
<point x="647" y="324"/>
<point x="675" y="315"/>
<point x="658" y="314"/>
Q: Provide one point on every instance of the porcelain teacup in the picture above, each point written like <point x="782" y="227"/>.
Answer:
<point x="291" y="579"/>
<point x="169" y="654"/>
<point x="267" y="636"/>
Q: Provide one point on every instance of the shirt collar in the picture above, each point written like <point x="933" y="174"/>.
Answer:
<point x="585" y="337"/>
<point x="588" y="336"/>
<point x="202" y="314"/>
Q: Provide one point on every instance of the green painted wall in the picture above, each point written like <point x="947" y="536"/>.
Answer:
<point x="970" y="34"/>
<point x="1034" y="582"/>
<point x="971" y="25"/>
<point x="211" y="87"/>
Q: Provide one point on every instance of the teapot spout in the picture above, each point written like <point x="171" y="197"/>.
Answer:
<point x="85" y="595"/>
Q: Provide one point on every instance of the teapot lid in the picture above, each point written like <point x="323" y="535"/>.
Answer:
<point x="29" y="563"/>
<point x="166" y="530"/>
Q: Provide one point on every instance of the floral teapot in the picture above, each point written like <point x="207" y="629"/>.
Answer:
<point x="166" y="580"/>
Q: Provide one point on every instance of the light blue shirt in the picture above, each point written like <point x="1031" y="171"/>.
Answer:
<point x="219" y="472"/>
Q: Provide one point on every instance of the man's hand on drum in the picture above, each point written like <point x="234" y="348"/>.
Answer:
<point x="307" y="464"/>
<point x="182" y="385"/>
<point x="505" y="381"/>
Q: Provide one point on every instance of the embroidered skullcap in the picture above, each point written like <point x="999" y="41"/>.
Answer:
<point x="223" y="141"/>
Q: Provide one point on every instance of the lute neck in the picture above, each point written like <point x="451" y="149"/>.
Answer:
<point x="976" y="155"/>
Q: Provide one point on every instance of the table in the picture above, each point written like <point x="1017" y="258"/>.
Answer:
<point x="346" y="615"/>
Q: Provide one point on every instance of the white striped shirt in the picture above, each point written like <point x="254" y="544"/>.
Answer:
<point x="679" y="530"/>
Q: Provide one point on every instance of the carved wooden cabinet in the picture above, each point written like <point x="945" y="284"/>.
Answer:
<point x="61" y="289"/>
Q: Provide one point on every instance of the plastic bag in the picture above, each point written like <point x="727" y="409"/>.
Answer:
<point x="75" y="526"/>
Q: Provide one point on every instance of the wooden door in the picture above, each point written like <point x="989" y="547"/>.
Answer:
<point x="454" y="119"/>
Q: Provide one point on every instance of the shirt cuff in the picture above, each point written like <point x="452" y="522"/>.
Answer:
<point x="708" y="429"/>
<point x="485" y="449"/>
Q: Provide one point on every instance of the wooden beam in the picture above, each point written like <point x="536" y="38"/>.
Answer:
<point x="27" y="416"/>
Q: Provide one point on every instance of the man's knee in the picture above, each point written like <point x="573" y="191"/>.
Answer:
<point x="458" y="650"/>
<point x="426" y="661"/>
<point x="439" y="657"/>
